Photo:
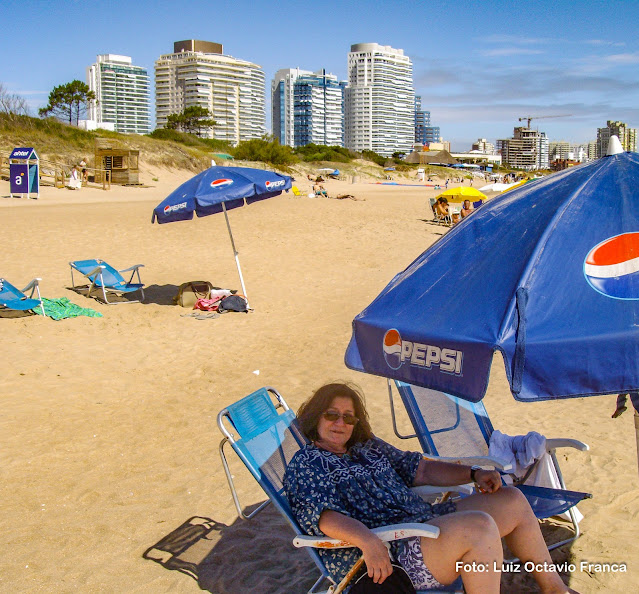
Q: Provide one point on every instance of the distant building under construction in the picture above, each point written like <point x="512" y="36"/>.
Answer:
<point x="528" y="149"/>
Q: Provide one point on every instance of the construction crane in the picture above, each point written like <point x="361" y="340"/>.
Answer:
<point x="530" y="118"/>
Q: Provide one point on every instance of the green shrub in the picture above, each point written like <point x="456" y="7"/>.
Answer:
<point x="264" y="149"/>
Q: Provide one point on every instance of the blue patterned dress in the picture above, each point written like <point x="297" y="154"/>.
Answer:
<point x="369" y="483"/>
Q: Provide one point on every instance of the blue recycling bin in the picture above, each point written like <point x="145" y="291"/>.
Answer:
<point x="24" y="172"/>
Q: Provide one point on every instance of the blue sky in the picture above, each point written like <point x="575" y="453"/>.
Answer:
<point x="478" y="65"/>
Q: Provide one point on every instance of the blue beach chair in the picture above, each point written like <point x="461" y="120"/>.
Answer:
<point x="457" y="430"/>
<point x="107" y="279"/>
<point x="13" y="299"/>
<point x="266" y="440"/>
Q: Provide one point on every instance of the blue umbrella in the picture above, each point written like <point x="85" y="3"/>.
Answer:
<point x="547" y="274"/>
<point x="218" y="189"/>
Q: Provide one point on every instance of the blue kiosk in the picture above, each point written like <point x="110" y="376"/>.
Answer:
<point x="24" y="171"/>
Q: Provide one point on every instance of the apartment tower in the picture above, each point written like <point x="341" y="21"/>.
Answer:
<point x="198" y="73"/>
<point x="307" y="107"/>
<point x="379" y="100"/>
<point x="627" y="136"/>
<point x="122" y="93"/>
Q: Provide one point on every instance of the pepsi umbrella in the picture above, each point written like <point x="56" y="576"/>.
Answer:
<point x="553" y="272"/>
<point x="218" y="189"/>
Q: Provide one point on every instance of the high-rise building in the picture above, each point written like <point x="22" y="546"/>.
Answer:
<point x="528" y="149"/>
<point x="422" y="121"/>
<point x="379" y="100"/>
<point x="198" y="73"/>
<point x="483" y="146"/>
<point x="122" y="95"/>
<point x="307" y="107"/>
<point x="627" y="136"/>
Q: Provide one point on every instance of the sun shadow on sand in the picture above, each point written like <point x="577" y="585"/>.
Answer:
<point x="160" y="294"/>
<point x="258" y="556"/>
<point x="247" y="556"/>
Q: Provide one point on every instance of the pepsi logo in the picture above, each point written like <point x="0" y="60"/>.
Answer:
<point x="612" y="267"/>
<point x="270" y="185"/>
<point x="169" y="208"/>
<point x="221" y="183"/>
<point x="393" y="348"/>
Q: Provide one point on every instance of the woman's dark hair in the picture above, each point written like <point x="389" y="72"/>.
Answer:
<point x="309" y="413"/>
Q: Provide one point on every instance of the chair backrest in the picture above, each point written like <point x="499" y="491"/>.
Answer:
<point x="8" y="292"/>
<point x="266" y="443"/>
<point x="296" y="191"/>
<point x="110" y="276"/>
<point x="477" y="203"/>
<point x="446" y="425"/>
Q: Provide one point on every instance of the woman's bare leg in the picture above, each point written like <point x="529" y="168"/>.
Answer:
<point x="519" y="527"/>
<point x="468" y="545"/>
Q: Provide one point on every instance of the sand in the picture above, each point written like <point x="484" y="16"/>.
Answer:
<point x="108" y="424"/>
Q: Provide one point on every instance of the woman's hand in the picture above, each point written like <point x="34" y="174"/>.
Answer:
<point x="377" y="559"/>
<point x="488" y="481"/>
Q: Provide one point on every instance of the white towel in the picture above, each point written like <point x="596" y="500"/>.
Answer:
<point x="521" y="451"/>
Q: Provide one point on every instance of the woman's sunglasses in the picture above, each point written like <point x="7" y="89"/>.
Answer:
<point x="332" y="416"/>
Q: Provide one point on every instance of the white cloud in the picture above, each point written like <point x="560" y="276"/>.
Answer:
<point x="511" y="51"/>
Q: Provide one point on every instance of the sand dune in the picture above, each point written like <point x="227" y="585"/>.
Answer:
<point x="109" y="424"/>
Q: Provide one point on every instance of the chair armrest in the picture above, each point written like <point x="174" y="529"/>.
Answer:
<point x="473" y="460"/>
<point x="96" y="270"/>
<point x="432" y="490"/>
<point x="134" y="267"/>
<point x="384" y="533"/>
<point x="32" y="285"/>
<point x="562" y="442"/>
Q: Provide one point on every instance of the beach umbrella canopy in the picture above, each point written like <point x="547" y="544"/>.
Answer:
<point x="219" y="189"/>
<point x="462" y="193"/>
<point x="553" y="272"/>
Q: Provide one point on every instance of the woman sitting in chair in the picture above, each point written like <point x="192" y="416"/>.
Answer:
<point x="347" y="481"/>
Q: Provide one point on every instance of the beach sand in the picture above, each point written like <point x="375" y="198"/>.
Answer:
<point x="108" y="425"/>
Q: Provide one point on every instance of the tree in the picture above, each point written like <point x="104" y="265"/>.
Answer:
<point x="68" y="100"/>
<point x="11" y="104"/>
<point x="191" y="120"/>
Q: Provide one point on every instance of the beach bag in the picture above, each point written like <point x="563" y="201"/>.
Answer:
<point x="233" y="303"/>
<point x="397" y="582"/>
<point x="188" y="293"/>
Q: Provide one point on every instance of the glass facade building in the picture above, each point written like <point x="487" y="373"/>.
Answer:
<point x="122" y="94"/>
<point x="307" y="108"/>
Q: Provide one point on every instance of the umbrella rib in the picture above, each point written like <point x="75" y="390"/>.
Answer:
<point x="540" y="246"/>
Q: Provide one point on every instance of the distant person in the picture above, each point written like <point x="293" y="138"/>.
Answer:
<point x="467" y="208"/>
<point x="319" y="190"/>
<point x="83" y="168"/>
<point x="440" y="208"/>
<point x="74" y="182"/>
<point x="447" y="180"/>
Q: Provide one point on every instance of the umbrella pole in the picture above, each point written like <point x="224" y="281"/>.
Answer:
<point x="235" y="253"/>
<point x="637" y="434"/>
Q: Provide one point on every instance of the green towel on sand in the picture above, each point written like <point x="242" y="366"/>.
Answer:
<point x="59" y="309"/>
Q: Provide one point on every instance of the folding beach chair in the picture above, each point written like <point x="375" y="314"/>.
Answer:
<point x="13" y="299"/>
<point x="266" y="441"/>
<point x="454" y="429"/>
<point x="107" y="279"/>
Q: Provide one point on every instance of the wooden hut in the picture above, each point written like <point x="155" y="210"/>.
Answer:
<point x="122" y="164"/>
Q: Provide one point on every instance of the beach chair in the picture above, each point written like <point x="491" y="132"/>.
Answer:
<point x="457" y="430"/>
<point x="107" y="279"/>
<point x="297" y="192"/>
<point x="266" y="440"/>
<point x="15" y="300"/>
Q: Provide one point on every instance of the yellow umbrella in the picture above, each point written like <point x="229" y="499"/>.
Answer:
<point x="462" y="193"/>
